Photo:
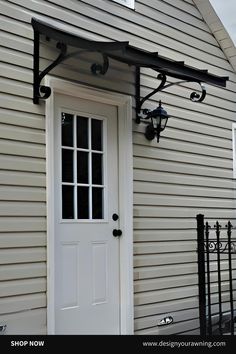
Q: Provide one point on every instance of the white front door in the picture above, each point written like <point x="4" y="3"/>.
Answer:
<point x="87" y="286"/>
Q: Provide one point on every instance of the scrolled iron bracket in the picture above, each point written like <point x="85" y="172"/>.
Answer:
<point x="139" y="101"/>
<point x="42" y="91"/>
<point x="100" y="68"/>
<point x="194" y="96"/>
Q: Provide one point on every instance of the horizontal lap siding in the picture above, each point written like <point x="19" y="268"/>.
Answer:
<point x="22" y="185"/>
<point x="188" y="172"/>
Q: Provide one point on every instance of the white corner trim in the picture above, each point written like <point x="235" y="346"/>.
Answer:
<point x="127" y="3"/>
<point x="219" y="31"/>
<point x="49" y="112"/>
<point x="126" y="211"/>
<point x="124" y="105"/>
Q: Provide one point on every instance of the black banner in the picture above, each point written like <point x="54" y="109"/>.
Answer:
<point x="23" y="343"/>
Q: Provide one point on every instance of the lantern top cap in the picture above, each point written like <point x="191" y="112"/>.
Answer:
<point x="160" y="112"/>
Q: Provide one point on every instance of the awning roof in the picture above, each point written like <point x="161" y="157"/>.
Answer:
<point x="126" y="53"/>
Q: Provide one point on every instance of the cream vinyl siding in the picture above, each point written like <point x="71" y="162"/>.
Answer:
<point x="188" y="172"/>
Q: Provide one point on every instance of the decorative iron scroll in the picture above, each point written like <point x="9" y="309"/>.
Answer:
<point x="214" y="246"/>
<point x="101" y="68"/>
<point x="223" y="246"/>
<point x="45" y="90"/>
<point x="194" y="96"/>
<point x="42" y="91"/>
<point x="120" y="51"/>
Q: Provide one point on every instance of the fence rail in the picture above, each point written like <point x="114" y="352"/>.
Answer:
<point x="216" y="271"/>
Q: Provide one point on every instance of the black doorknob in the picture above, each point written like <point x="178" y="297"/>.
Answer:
<point x="117" y="233"/>
<point x="115" y="217"/>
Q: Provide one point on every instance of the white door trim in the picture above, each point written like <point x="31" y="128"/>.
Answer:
<point x="124" y="104"/>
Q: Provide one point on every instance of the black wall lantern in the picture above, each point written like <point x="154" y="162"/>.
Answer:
<point x="159" y="118"/>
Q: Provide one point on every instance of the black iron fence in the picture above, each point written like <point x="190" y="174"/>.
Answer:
<point x="217" y="277"/>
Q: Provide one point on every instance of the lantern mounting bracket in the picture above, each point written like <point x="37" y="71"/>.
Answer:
<point x="142" y="113"/>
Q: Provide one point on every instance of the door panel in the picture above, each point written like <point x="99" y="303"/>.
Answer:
<point x="87" y="289"/>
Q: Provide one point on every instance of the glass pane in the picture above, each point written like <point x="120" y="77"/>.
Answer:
<point x="82" y="132"/>
<point x="67" y="165"/>
<point x="66" y="129"/>
<point x="82" y="167"/>
<point x="97" y="169"/>
<point x="67" y="202"/>
<point x="97" y="196"/>
<point x="96" y="134"/>
<point x="83" y="202"/>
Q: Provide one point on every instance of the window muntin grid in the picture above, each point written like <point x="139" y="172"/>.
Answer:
<point x="83" y="167"/>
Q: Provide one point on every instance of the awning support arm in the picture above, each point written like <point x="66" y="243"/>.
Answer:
<point x="120" y="51"/>
<point x="42" y="91"/>
<point x="194" y="96"/>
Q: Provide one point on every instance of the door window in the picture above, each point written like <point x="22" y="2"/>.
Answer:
<point x="82" y="167"/>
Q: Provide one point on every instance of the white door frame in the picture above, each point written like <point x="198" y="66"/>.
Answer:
<point x="125" y="160"/>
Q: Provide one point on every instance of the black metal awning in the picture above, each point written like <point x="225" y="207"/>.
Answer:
<point x="120" y="51"/>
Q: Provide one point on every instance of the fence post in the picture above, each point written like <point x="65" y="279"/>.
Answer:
<point x="201" y="274"/>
